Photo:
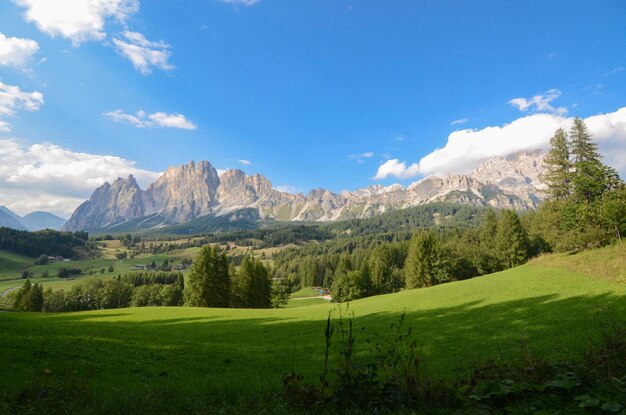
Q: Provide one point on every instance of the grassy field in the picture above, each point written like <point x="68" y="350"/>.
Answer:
<point x="12" y="266"/>
<point x="607" y="263"/>
<point x="196" y="353"/>
<point x="306" y="292"/>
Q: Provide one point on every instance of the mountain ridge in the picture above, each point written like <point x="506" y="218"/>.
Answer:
<point x="195" y="190"/>
<point x="33" y="221"/>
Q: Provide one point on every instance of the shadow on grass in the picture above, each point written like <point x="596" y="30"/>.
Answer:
<point x="212" y="354"/>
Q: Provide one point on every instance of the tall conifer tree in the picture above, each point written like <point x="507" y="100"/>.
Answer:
<point x="209" y="279"/>
<point x="419" y="261"/>
<point x="252" y="285"/>
<point x="590" y="177"/>
<point x="511" y="239"/>
<point x="557" y="165"/>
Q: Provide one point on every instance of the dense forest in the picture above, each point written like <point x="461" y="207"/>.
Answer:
<point x="38" y="243"/>
<point x="585" y="208"/>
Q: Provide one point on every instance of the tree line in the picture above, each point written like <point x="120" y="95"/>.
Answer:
<point x="46" y="241"/>
<point x="363" y="267"/>
<point x="586" y="204"/>
<point x="129" y="290"/>
<point x="585" y="208"/>
<point x="215" y="282"/>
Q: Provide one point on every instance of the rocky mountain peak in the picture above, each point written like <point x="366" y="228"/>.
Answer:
<point x="110" y="203"/>
<point x="517" y="174"/>
<point x="188" y="191"/>
<point x="239" y="190"/>
<point x="184" y="192"/>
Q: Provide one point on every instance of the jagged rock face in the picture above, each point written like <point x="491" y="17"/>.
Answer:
<point x="320" y="205"/>
<point x="184" y="192"/>
<point x="110" y="203"/>
<point x="236" y="190"/>
<point x="517" y="174"/>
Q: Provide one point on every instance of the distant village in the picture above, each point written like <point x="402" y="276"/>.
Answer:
<point x="184" y="265"/>
<point x="58" y="258"/>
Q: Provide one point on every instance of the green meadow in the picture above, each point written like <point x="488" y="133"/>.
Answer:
<point x="197" y="354"/>
<point x="12" y="266"/>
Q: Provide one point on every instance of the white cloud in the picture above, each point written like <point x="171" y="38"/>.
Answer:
<point x="614" y="71"/>
<point x="396" y="168"/>
<point x="138" y="120"/>
<point x="143" y="53"/>
<point x="45" y="176"/>
<point x="466" y="149"/>
<point x="12" y="98"/>
<point x="241" y="2"/>
<point x="159" y="119"/>
<point x="610" y="131"/>
<point x="164" y="120"/>
<point x="84" y="20"/>
<point x="245" y="162"/>
<point x="285" y="188"/>
<point x="15" y="51"/>
<point x="539" y="103"/>
<point x="457" y="122"/>
<point x="360" y="157"/>
<point x="76" y="20"/>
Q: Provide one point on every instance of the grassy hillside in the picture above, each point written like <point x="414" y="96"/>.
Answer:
<point x="607" y="263"/>
<point x="12" y="266"/>
<point x="191" y="352"/>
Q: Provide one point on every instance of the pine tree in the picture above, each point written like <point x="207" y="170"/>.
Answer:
<point x="590" y="178"/>
<point x="487" y="261"/>
<point x="345" y="264"/>
<point x="252" y="285"/>
<point x="511" y="239"/>
<point x="29" y="297"/>
<point x="309" y="271"/>
<point x="349" y="286"/>
<point x="558" y="167"/>
<point x="35" y="298"/>
<point x="614" y="210"/>
<point x="380" y="270"/>
<point x="489" y="227"/>
<point x="209" y="279"/>
<point x="21" y="297"/>
<point x="419" y="262"/>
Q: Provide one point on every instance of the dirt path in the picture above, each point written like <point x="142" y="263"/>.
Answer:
<point x="8" y="290"/>
<point x="325" y="297"/>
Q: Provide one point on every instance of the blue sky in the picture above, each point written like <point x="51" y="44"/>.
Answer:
<point x="311" y="93"/>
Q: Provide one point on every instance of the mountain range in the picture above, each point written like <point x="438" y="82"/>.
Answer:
<point x="33" y="221"/>
<point x="195" y="191"/>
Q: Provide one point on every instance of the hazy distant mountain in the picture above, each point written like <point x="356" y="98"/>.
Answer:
<point x="184" y="193"/>
<point x="38" y="220"/>
<point x="9" y="219"/>
<point x="34" y="221"/>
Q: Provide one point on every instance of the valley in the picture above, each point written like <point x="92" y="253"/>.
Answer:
<point x="202" y="353"/>
<point x="263" y="207"/>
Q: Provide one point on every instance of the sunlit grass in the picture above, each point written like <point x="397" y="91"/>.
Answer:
<point x="608" y="263"/>
<point x="555" y="312"/>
